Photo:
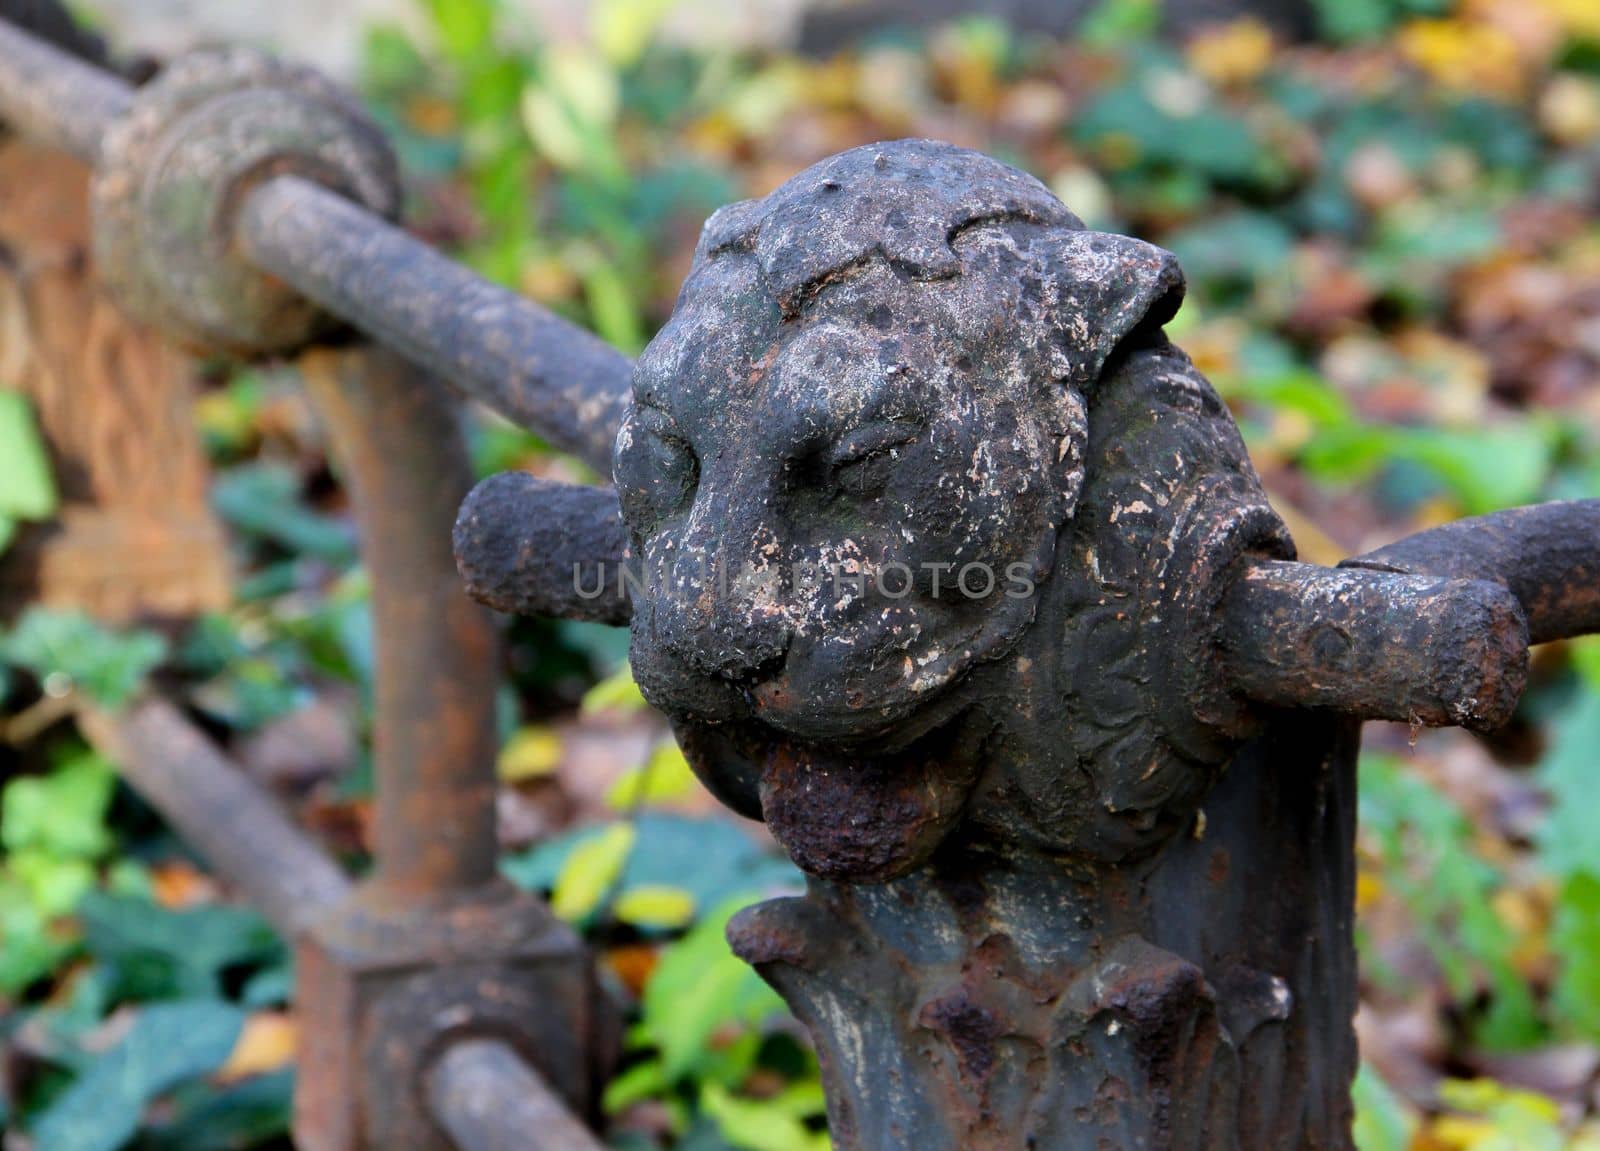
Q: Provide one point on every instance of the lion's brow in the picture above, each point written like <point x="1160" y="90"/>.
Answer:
<point x="903" y="203"/>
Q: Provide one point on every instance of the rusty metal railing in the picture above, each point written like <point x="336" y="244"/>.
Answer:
<point x="441" y="1008"/>
<point x="1081" y="861"/>
<point x="522" y="360"/>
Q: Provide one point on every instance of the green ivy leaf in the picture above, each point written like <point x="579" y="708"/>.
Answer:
<point x="755" y="1125"/>
<point x="62" y="814"/>
<point x="55" y="885"/>
<point x="265" y="500"/>
<point x="27" y="485"/>
<point x="1430" y="859"/>
<point x="1238" y="246"/>
<point x="157" y="952"/>
<point x="698" y="987"/>
<point x="1569" y="841"/>
<point x="390" y="62"/>
<point x="250" y="1114"/>
<point x="1383" y="1121"/>
<point x="168" y="1044"/>
<point x="1486" y="469"/>
<point x="1347" y="21"/>
<point x="613" y="306"/>
<point x="640" y="1082"/>
<point x="34" y="945"/>
<point x="107" y="666"/>
<point x="465" y="27"/>
<point x="1575" y="937"/>
<point x="1114" y="23"/>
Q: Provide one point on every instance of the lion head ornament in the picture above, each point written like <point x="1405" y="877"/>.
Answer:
<point x="925" y="507"/>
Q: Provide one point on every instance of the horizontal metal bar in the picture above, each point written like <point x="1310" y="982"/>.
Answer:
<point x="237" y="828"/>
<point x="528" y="546"/>
<point x="1423" y="649"/>
<point x="1548" y="556"/>
<point x="523" y="360"/>
<point x="487" y="1098"/>
<point x="55" y="97"/>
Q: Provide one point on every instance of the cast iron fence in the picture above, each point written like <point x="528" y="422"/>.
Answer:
<point x="1080" y="859"/>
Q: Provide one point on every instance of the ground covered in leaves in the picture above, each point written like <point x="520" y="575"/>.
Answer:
<point x="1391" y="241"/>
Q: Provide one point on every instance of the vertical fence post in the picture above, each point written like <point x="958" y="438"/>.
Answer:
<point x="433" y="949"/>
<point x="397" y="438"/>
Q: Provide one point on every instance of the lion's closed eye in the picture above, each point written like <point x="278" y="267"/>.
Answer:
<point x="860" y="461"/>
<point x="655" y="468"/>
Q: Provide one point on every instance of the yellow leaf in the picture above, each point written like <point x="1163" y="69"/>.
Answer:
<point x="623" y="29"/>
<point x="585" y="83"/>
<point x="617" y="692"/>
<point x="1369" y="889"/>
<point x="220" y="415"/>
<point x="532" y="753"/>
<point x="1314" y="544"/>
<point x="1484" y="1096"/>
<point x="1569" y="110"/>
<point x="1460" y="1134"/>
<point x="550" y="125"/>
<point x="655" y="906"/>
<point x="1082" y="189"/>
<point x="548" y="280"/>
<point x="664" y="777"/>
<point x="591" y="871"/>
<point x="758" y="105"/>
<point x="1232" y="54"/>
<point x="267" y="1043"/>
<point x="1579" y="19"/>
<point x="1463" y="55"/>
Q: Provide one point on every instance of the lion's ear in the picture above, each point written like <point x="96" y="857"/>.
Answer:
<point x="1101" y="288"/>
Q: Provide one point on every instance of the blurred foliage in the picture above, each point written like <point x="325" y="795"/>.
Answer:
<point x="27" y="485"/>
<point x="1394" y="276"/>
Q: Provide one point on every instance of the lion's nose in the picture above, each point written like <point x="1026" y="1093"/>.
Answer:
<point x="722" y="622"/>
<point x="732" y="637"/>
<point x="727" y="614"/>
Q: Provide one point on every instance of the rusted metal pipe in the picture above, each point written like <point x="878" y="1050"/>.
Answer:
<point x="1547" y="555"/>
<point x="487" y="1098"/>
<point x="396" y="438"/>
<point x="55" y="97"/>
<point x="1379" y="645"/>
<point x="523" y="360"/>
<point x="236" y="827"/>
<point x="530" y="546"/>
